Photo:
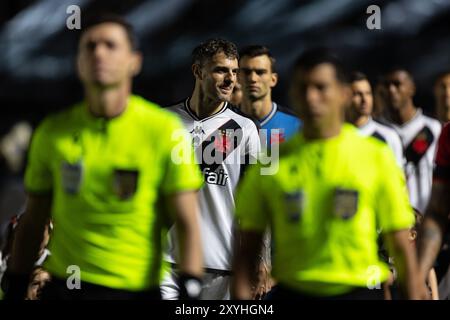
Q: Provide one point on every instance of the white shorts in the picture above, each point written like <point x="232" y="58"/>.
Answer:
<point x="215" y="286"/>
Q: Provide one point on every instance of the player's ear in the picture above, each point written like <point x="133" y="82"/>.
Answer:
<point x="197" y="71"/>
<point x="136" y="63"/>
<point x="413" y="88"/>
<point x="274" y="80"/>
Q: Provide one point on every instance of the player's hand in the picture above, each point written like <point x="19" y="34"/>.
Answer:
<point x="419" y="289"/>
<point x="190" y="287"/>
<point x="422" y="293"/>
<point x="264" y="282"/>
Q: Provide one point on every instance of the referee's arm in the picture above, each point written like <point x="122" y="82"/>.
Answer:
<point x="248" y="245"/>
<point x="405" y="259"/>
<point x="185" y="211"/>
<point x="433" y="227"/>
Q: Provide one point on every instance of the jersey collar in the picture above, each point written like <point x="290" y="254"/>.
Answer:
<point x="267" y="118"/>
<point x="194" y="116"/>
<point x="418" y="114"/>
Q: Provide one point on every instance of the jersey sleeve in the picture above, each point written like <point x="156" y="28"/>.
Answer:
<point x="442" y="169"/>
<point x="38" y="174"/>
<point x="182" y="171"/>
<point x="251" y="211"/>
<point x="253" y="144"/>
<point x="394" y="211"/>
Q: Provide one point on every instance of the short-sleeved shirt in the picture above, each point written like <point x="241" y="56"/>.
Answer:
<point x="386" y="134"/>
<point x="215" y="135"/>
<point x="442" y="169"/>
<point x="106" y="177"/>
<point x="419" y="138"/>
<point x="281" y="119"/>
<point x="323" y="207"/>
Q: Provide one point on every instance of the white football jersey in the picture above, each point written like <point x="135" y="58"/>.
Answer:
<point x="384" y="133"/>
<point x="221" y="176"/>
<point x="419" y="139"/>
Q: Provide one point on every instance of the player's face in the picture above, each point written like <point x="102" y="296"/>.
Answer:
<point x="40" y="278"/>
<point x="442" y="95"/>
<point x="105" y="57"/>
<point x="218" y="77"/>
<point x="399" y="89"/>
<point x="256" y="77"/>
<point x="362" y="98"/>
<point x="318" y="95"/>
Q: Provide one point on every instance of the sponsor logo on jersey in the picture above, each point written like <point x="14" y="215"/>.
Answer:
<point x="212" y="177"/>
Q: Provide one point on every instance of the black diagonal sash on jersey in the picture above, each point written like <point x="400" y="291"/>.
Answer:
<point x="230" y="125"/>
<point x="419" y="146"/>
<point x="378" y="136"/>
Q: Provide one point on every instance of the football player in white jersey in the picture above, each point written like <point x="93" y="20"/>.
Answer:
<point x="360" y="115"/>
<point x="419" y="134"/>
<point x="212" y="123"/>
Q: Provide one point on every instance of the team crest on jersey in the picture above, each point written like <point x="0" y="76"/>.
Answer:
<point x="345" y="203"/>
<point x="222" y="141"/>
<point x="71" y="176"/>
<point x="125" y="183"/>
<point x="294" y="202"/>
<point x="277" y="137"/>
<point x="419" y="145"/>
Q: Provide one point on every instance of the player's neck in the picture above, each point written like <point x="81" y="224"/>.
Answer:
<point x="258" y="109"/>
<point x="313" y="131"/>
<point x="361" y="121"/>
<point x="405" y="114"/>
<point x="202" y="106"/>
<point x="107" y="103"/>
<point x="443" y="113"/>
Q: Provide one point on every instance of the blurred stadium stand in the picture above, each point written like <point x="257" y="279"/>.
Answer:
<point x="37" y="51"/>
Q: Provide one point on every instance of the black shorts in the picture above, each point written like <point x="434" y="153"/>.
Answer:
<point x="57" y="289"/>
<point x="280" y="292"/>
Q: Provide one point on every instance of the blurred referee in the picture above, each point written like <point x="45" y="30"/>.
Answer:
<point x="99" y="169"/>
<point x="332" y="190"/>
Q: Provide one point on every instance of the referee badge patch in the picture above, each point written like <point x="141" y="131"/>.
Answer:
<point x="294" y="202"/>
<point x="345" y="203"/>
<point x="125" y="183"/>
<point x="71" y="176"/>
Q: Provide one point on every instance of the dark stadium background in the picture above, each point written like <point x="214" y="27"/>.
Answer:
<point x="37" y="73"/>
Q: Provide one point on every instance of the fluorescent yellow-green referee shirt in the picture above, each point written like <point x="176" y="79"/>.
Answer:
<point x="324" y="206"/>
<point x="106" y="177"/>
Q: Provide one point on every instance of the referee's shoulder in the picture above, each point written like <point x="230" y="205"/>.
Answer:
<point x="151" y="111"/>
<point x="60" y="120"/>
<point x="368" y="147"/>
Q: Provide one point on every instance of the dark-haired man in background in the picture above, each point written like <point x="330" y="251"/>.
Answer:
<point x="418" y="133"/>
<point x="360" y="115"/>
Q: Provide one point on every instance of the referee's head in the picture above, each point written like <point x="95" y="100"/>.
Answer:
<point x="111" y="18"/>
<point x="107" y="52"/>
<point x="319" y="88"/>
